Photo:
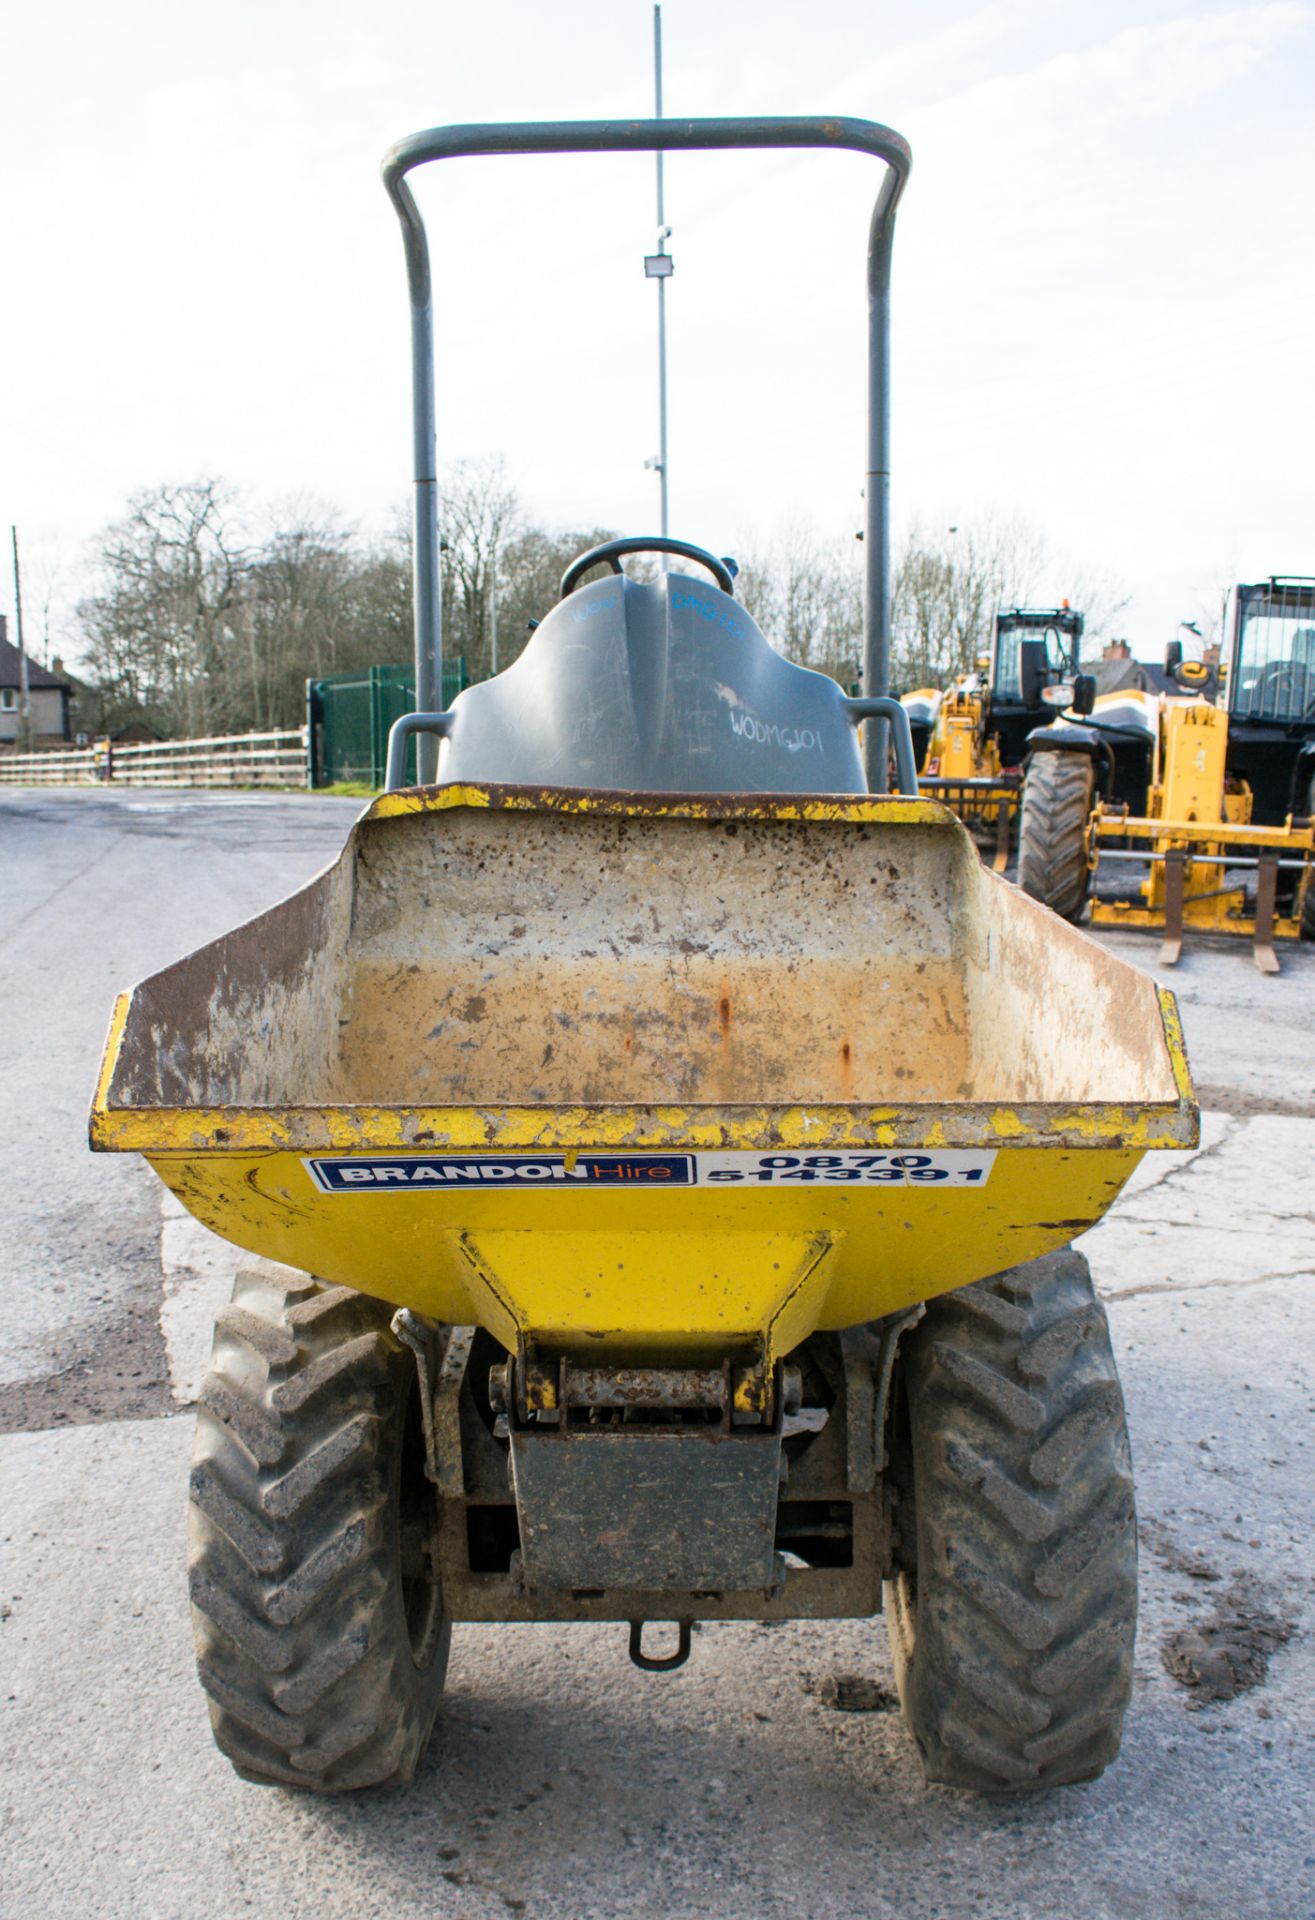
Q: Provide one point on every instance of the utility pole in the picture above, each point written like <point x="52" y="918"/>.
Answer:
<point x="660" y="266"/>
<point x="25" y="692"/>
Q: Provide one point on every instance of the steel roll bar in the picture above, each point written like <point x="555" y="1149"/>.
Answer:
<point x="887" y="712"/>
<point x="422" y="727"/>
<point x="650" y="136"/>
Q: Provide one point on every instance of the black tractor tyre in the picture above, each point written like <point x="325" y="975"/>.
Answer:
<point x="1013" y="1609"/>
<point x="1308" y="904"/>
<point x="1052" y="837"/>
<point x="321" y="1639"/>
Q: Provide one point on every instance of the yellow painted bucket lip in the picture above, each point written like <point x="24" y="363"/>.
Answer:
<point x="885" y="809"/>
<point x="197" y="1130"/>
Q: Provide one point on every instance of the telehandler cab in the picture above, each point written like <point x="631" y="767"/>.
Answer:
<point x="661" y="1146"/>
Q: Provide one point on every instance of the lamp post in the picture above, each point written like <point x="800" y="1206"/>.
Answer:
<point x="660" y="266"/>
<point x="494" y="609"/>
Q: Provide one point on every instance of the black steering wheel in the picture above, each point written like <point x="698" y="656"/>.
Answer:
<point x="1286" y="683"/>
<point x="612" y="550"/>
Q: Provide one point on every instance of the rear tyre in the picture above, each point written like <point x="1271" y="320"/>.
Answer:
<point x="1052" y="838"/>
<point x="321" y="1639"/>
<point x="1013" y="1610"/>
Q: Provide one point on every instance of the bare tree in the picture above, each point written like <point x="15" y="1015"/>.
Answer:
<point x="45" y="587"/>
<point x="480" y="517"/>
<point x="161" y="627"/>
<point x="946" y="590"/>
<point x="949" y="586"/>
<point x="383" y="620"/>
<point x="1101" y="601"/>
<point x="199" y="630"/>
<point x="806" y="594"/>
<point x="297" y="615"/>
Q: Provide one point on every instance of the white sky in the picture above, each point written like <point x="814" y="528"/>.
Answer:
<point x="1103" y="295"/>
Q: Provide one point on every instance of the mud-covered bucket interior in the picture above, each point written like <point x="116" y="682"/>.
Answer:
<point x="471" y="956"/>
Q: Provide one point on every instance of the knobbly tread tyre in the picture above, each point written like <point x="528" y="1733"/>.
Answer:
<point x="303" y="1480"/>
<point x="1052" y="833"/>
<point x="1013" y="1614"/>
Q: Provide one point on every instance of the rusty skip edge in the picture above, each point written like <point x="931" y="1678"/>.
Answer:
<point x="221" y="1130"/>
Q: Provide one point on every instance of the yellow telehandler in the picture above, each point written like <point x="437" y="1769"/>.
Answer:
<point x="1192" y="808"/>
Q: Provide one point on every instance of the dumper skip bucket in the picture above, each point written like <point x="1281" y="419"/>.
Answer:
<point x="660" y="1076"/>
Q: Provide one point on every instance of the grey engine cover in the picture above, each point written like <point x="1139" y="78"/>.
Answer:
<point x="666" y="687"/>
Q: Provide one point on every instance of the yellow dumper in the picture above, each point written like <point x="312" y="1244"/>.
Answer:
<point x="685" y="1144"/>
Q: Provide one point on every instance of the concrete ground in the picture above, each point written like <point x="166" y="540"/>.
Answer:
<point x="561" y="1783"/>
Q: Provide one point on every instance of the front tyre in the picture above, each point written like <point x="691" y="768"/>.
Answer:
<point x="1013" y="1610"/>
<point x="1058" y="792"/>
<point x="321" y="1639"/>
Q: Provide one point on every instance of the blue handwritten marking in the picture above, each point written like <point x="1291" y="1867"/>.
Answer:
<point x="586" y="609"/>
<point x="709" y="610"/>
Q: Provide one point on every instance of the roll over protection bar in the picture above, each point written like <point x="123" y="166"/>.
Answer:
<point x="649" y="136"/>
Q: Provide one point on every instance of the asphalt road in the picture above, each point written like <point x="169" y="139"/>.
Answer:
<point x="561" y="1783"/>
<point x="98" y="891"/>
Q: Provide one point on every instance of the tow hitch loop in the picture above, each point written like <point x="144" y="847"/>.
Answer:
<point x="666" y="1663"/>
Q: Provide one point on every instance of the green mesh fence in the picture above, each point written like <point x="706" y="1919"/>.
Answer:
<point x="350" y="714"/>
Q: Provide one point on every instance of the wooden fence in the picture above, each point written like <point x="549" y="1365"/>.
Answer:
<point x="232" y="760"/>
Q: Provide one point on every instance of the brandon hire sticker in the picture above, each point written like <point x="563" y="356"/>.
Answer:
<point x="432" y="1172"/>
